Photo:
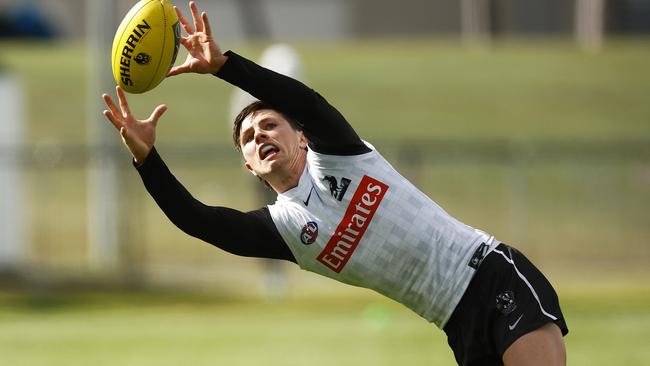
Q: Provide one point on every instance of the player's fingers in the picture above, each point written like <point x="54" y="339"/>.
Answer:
<point x="206" y="23"/>
<point x="191" y="45"/>
<point x="184" y="23"/>
<point x="157" y="113"/>
<point x="198" y="24"/>
<point x="186" y="43"/>
<point x="181" y="69"/>
<point x="109" y="115"/>
<point x="124" y="105"/>
<point x="110" y="104"/>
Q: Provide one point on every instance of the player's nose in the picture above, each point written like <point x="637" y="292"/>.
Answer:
<point x="260" y="136"/>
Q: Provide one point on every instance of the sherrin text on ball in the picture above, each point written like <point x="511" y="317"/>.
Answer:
<point x="145" y="45"/>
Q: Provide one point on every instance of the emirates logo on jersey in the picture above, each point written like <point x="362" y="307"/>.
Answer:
<point x="357" y="218"/>
<point x="309" y="233"/>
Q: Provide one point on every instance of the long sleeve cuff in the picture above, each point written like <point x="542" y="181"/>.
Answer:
<point x="150" y="165"/>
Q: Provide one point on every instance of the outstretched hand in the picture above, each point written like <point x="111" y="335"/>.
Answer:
<point x="204" y="55"/>
<point x="137" y="135"/>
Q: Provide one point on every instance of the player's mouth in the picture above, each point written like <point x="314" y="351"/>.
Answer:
<point x="268" y="151"/>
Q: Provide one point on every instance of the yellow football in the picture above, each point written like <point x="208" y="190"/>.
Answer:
<point x="145" y="45"/>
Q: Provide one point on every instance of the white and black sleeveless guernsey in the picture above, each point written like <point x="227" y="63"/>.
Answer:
<point x="357" y="220"/>
<point x="352" y="217"/>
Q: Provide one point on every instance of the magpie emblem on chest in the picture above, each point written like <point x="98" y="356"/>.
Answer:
<point x="337" y="190"/>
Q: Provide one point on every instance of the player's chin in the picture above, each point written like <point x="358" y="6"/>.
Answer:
<point x="264" y="167"/>
<point x="271" y="167"/>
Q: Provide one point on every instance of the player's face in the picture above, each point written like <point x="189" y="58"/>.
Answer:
<point x="271" y="147"/>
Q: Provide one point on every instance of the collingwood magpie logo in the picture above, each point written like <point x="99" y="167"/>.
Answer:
<point x="337" y="190"/>
<point x="506" y="302"/>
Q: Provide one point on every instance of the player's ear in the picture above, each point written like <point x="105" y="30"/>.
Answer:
<point x="303" y="140"/>
<point x="250" y="168"/>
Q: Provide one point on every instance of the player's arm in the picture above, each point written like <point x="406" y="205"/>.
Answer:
<point x="327" y="130"/>
<point x="250" y="234"/>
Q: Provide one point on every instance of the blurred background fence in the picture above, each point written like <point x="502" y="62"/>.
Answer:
<point x="576" y="207"/>
<point x="335" y="19"/>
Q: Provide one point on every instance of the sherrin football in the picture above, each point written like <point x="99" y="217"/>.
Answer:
<point x="145" y="45"/>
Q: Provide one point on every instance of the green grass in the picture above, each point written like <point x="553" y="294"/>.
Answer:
<point x="609" y="326"/>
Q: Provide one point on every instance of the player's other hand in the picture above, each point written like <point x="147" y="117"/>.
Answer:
<point x="203" y="53"/>
<point x="137" y="135"/>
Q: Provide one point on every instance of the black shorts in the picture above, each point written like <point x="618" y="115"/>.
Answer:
<point x="507" y="298"/>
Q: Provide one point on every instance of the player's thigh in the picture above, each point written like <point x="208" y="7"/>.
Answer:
<point x="543" y="346"/>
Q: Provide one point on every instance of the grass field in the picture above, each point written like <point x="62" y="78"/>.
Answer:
<point x="609" y="326"/>
<point x="582" y="220"/>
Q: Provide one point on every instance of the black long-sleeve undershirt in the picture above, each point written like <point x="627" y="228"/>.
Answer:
<point x="326" y="129"/>
<point x="252" y="233"/>
<point x="249" y="234"/>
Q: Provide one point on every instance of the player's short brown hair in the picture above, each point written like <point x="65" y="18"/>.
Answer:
<point x="251" y="109"/>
